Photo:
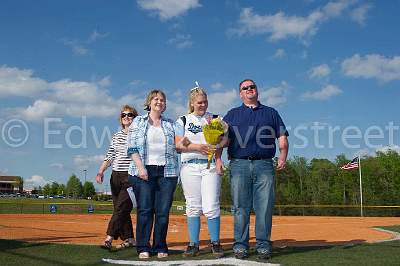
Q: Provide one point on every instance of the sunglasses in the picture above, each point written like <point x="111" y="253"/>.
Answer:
<point x="250" y="87"/>
<point x="126" y="114"/>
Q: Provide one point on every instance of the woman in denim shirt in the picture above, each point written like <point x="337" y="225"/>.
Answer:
<point x="153" y="172"/>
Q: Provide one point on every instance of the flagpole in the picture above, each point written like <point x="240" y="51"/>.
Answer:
<point x="361" y="194"/>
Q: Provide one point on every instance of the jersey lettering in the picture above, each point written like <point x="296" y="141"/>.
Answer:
<point x="194" y="128"/>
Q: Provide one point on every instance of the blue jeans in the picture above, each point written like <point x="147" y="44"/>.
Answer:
<point x="252" y="185"/>
<point x="154" y="200"/>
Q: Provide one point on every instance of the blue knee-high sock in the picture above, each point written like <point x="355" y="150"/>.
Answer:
<point x="194" y="229"/>
<point x="213" y="228"/>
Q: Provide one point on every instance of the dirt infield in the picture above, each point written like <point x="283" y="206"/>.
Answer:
<point x="287" y="231"/>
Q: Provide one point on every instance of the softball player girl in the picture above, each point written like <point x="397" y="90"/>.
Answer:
<point x="201" y="186"/>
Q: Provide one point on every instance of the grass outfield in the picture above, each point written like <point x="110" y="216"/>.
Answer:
<point x="31" y="205"/>
<point x="40" y="201"/>
<point x="394" y="228"/>
<point x="65" y="206"/>
<point x="70" y="201"/>
<point x="20" y="253"/>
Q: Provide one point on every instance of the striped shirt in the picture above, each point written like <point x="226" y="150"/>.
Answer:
<point x="117" y="152"/>
<point x="137" y="143"/>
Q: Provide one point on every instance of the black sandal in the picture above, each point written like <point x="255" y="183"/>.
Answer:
<point x="125" y="244"/>
<point x="107" y="245"/>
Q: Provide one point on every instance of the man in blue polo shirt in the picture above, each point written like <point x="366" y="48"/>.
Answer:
<point x="253" y="130"/>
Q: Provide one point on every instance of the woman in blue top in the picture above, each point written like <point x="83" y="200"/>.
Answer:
<point x="153" y="172"/>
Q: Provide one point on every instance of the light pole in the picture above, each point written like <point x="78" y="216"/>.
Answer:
<point x="85" y="171"/>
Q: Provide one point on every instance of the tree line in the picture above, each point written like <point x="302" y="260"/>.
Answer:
<point x="302" y="182"/>
<point x="73" y="189"/>
<point x="322" y="182"/>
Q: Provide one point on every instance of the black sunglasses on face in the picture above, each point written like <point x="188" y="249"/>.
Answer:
<point x="250" y="87"/>
<point x="126" y="114"/>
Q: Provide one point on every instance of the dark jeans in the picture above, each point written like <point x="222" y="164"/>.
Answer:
<point x="154" y="200"/>
<point x="120" y="225"/>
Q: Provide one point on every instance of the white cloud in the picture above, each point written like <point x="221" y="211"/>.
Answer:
<point x="105" y="82"/>
<point x="20" y="82"/>
<point x="35" y="181"/>
<point x="359" y="14"/>
<point x="167" y="9"/>
<point x="137" y="82"/>
<point x="58" y="166"/>
<point x="362" y="153"/>
<point x="92" y="110"/>
<point x="178" y="93"/>
<point x="324" y="94"/>
<point x="181" y="41"/>
<point x="281" y="26"/>
<point x="60" y="98"/>
<point x="386" y="149"/>
<point x="82" y="162"/>
<point x="319" y="71"/>
<point x="77" y="48"/>
<point x="217" y="85"/>
<point x="279" y="53"/>
<point x="41" y="109"/>
<point x="278" y="26"/>
<point x="372" y="66"/>
<point x="334" y="9"/>
<point x="178" y="105"/>
<point x="274" y="96"/>
<point x="78" y="91"/>
<point x="221" y="102"/>
<point x="95" y="35"/>
<point x="80" y="50"/>
<point x="176" y="109"/>
<point x="3" y="171"/>
<point x="80" y="47"/>
<point x="130" y="99"/>
<point x="79" y="98"/>
<point x="304" y="54"/>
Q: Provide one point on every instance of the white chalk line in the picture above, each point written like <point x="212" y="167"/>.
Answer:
<point x="223" y="261"/>
<point x="395" y="235"/>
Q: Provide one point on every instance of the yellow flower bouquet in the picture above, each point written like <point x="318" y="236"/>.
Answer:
<point x="212" y="133"/>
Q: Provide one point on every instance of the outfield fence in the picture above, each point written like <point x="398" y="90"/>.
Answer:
<point x="107" y="208"/>
<point x="337" y="210"/>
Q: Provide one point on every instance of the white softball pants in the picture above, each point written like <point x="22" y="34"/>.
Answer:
<point x="201" y="187"/>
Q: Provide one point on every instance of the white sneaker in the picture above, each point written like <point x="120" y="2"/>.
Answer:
<point x="162" y="255"/>
<point x="144" y="255"/>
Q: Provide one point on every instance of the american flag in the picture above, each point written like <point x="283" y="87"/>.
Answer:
<point x="351" y="165"/>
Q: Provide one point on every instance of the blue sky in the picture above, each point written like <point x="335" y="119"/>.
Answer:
<point x="331" y="68"/>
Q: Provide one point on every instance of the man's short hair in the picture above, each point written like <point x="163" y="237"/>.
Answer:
<point x="240" y="84"/>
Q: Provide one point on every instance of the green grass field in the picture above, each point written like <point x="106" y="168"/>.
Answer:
<point x="64" y="206"/>
<point x="32" y="205"/>
<point x="29" y="205"/>
<point x="394" y="228"/>
<point x="34" y="200"/>
<point x="69" y="201"/>
<point x="23" y="253"/>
